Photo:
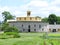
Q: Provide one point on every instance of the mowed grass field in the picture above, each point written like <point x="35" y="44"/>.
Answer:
<point x="32" y="39"/>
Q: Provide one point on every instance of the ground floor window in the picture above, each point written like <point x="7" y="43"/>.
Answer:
<point x="23" y="29"/>
<point x="28" y="30"/>
<point x="43" y="29"/>
<point x="49" y="30"/>
<point x="34" y="30"/>
<point x="58" y="30"/>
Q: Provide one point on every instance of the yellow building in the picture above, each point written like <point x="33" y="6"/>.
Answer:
<point x="28" y="18"/>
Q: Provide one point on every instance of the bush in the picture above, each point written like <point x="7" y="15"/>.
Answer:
<point x="9" y="35"/>
<point x="14" y="34"/>
<point x="3" y="36"/>
<point x="45" y="36"/>
<point x="11" y="29"/>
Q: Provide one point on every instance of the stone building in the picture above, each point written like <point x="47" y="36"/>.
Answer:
<point x="54" y="28"/>
<point x="33" y="24"/>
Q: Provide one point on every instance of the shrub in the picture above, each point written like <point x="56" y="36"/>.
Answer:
<point x="16" y="36"/>
<point x="9" y="35"/>
<point x="13" y="34"/>
<point x="45" y="36"/>
<point x="11" y="29"/>
<point x="3" y="36"/>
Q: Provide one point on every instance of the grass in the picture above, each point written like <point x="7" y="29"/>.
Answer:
<point x="31" y="39"/>
<point x="54" y="34"/>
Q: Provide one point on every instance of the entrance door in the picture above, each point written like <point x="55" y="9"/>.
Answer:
<point x="28" y="28"/>
<point x="54" y="30"/>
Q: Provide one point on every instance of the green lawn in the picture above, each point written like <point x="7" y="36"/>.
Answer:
<point x="31" y="39"/>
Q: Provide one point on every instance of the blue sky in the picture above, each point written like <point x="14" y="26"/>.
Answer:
<point x="40" y="8"/>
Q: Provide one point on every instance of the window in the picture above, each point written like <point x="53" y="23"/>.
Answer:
<point x="29" y="30"/>
<point x="35" y="30"/>
<point x="42" y="29"/>
<point x="30" y="18"/>
<point x="28" y="13"/>
<point x="19" y="18"/>
<point x="39" y="26"/>
<point x="29" y="26"/>
<point x="24" y="18"/>
<point x="59" y="30"/>
<point x="23" y="29"/>
<point x="22" y="25"/>
<point x="36" y="18"/>
<point x="50" y="30"/>
<point x="34" y="25"/>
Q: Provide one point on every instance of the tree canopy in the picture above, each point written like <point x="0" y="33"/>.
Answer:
<point x="7" y="16"/>
<point x="58" y="19"/>
<point x="45" y="19"/>
<point x="5" y="25"/>
<point x="52" y="18"/>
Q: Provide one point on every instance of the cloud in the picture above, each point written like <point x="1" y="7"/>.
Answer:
<point x="40" y="8"/>
<point x="38" y="3"/>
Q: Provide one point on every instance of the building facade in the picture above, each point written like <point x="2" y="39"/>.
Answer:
<point x="30" y="26"/>
<point x="54" y="28"/>
<point x="33" y="24"/>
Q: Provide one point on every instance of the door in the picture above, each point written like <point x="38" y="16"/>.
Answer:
<point x="54" y="30"/>
<point x="28" y="28"/>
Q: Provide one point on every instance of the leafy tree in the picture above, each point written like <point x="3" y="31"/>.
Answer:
<point x="58" y="20"/>
<point x="45" y="19"/>
<point x="52" y="18"/>
<point x="7" y="16"/>
<point x="5" y="25"/>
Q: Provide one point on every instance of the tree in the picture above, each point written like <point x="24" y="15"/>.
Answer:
<point x="45" y="19"/>
<point x="58" y="20"/>
<point x="52" y="18"/>
<point x="7" y="16"/>
<point x="5" y="25"/>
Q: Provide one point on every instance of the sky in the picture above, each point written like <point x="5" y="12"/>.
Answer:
<point x="40" y="8"/>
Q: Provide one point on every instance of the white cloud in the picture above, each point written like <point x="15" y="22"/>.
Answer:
<point x="38" y="7"/>
<point x="38" y="3"/>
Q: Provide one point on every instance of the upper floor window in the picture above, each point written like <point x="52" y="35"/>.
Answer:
<point x="36" y="18"/>
<point x="24" y="18"/>
<point x="30" y="18"/>
<point x="28" y="26"/>
<point x="34" y="25"/>
<point x="19" y="18"/>
<point x="39" y="26"/>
